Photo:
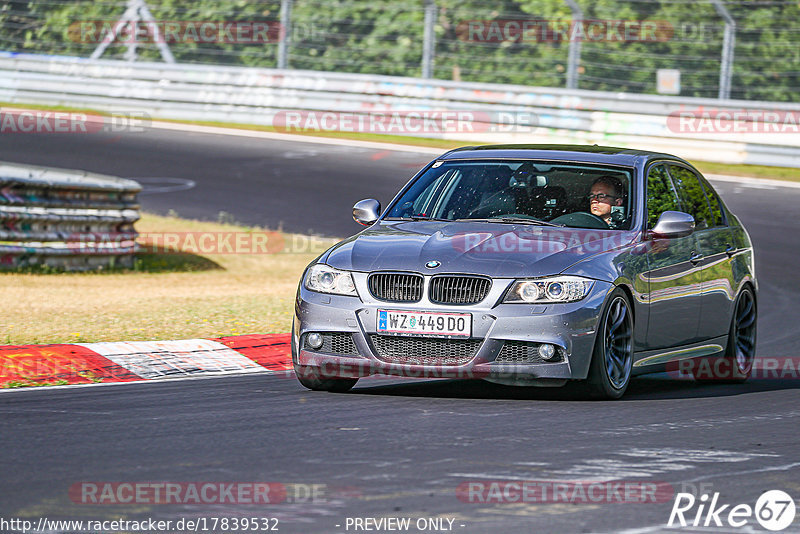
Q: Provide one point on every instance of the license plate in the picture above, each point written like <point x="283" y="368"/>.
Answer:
<point x="424" y="323"/>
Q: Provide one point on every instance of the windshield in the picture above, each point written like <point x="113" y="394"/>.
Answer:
<point x="579" y="195"/>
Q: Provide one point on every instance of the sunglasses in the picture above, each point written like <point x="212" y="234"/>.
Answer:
<point x="600" y="197"/>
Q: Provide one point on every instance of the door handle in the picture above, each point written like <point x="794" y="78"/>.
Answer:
<point x="696" y="258"/>
<point x="730" y="251"/>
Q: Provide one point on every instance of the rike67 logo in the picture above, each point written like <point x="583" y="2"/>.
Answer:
<point x="774" y="510"/>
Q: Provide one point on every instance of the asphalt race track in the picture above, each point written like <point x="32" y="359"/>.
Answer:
<point x="392" y="447"/>
<point x="301" y="187"/>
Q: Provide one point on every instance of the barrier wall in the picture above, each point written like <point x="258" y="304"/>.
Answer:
<point x="728" y="131"/>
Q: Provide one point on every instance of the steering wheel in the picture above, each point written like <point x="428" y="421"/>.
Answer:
<point x="582" y="219"/>
<point x="488" y="201"/>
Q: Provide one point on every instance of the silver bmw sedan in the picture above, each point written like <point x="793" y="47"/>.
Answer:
<point x="534" y="265"/>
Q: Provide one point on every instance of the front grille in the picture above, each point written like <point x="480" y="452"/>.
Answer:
<point x="336" y="343"/>
<point x="424" y="350"/>
<point x="396" y="287"/>
<point x="459" y="289"/>
<point x="523" y="352"/>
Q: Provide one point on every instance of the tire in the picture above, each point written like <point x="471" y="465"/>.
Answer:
<point x="740" y="351"/>
<point x="612" y="357"/>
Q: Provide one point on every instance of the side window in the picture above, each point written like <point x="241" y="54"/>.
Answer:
<point x="660" y="195"/>
<point x="717" y="218"/>
<point x="692" y="196"/>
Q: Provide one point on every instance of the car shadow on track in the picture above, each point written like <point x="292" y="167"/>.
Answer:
<point x="657" y="386"/>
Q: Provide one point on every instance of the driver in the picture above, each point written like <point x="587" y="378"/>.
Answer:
<point x="606" y="192"/>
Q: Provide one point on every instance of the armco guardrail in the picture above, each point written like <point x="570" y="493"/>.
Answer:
<point x="66" y="219"/>
<point x="503" y="113"/>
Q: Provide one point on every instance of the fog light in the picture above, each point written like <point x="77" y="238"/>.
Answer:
<point x="547" y="351"/>
<point x="314" y="340"/>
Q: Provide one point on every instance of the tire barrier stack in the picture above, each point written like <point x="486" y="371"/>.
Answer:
<point x="70" y="220"/>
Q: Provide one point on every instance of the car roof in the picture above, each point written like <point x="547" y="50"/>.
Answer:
<point x="583" y="153"/>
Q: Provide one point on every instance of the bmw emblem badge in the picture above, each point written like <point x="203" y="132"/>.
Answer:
<point x="433" y="264"/>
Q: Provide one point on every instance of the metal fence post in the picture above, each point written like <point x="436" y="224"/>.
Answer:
<point x="728" y="42"/>
<point x="574" y="54"/>
<point x="285" y="35"/>
<point x="135" y="11"/>
<point x="429" y="39"/>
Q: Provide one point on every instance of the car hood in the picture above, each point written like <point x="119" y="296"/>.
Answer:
<point x="495" y="249"/>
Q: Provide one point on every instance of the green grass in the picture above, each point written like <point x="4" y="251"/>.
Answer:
<point x="171" y="294"/>
<point x="26" y="383"/>
<point x="755" y="171"/>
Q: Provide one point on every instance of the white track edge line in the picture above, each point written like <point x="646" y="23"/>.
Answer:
<point x="744" y="180"/>
<point x="395" y="147"/>
<point x="266" y="372"/>
<point x="259" y="134"/>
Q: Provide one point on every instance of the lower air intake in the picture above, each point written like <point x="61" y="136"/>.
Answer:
<point x="424" y="350"/>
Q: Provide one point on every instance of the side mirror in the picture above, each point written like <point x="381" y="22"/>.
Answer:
<point x="672" y="224"/>
<point x="366" y="211"/>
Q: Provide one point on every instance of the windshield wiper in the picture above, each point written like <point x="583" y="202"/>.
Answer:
<point x="515" y="220"/>
<point x="417" y="218"/>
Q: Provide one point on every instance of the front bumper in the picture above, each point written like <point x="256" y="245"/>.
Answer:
<point x="570" y="327"/>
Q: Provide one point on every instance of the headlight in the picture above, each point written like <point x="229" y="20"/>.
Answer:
<point x="325" y="279"/>
<point x="549" y="290"/>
